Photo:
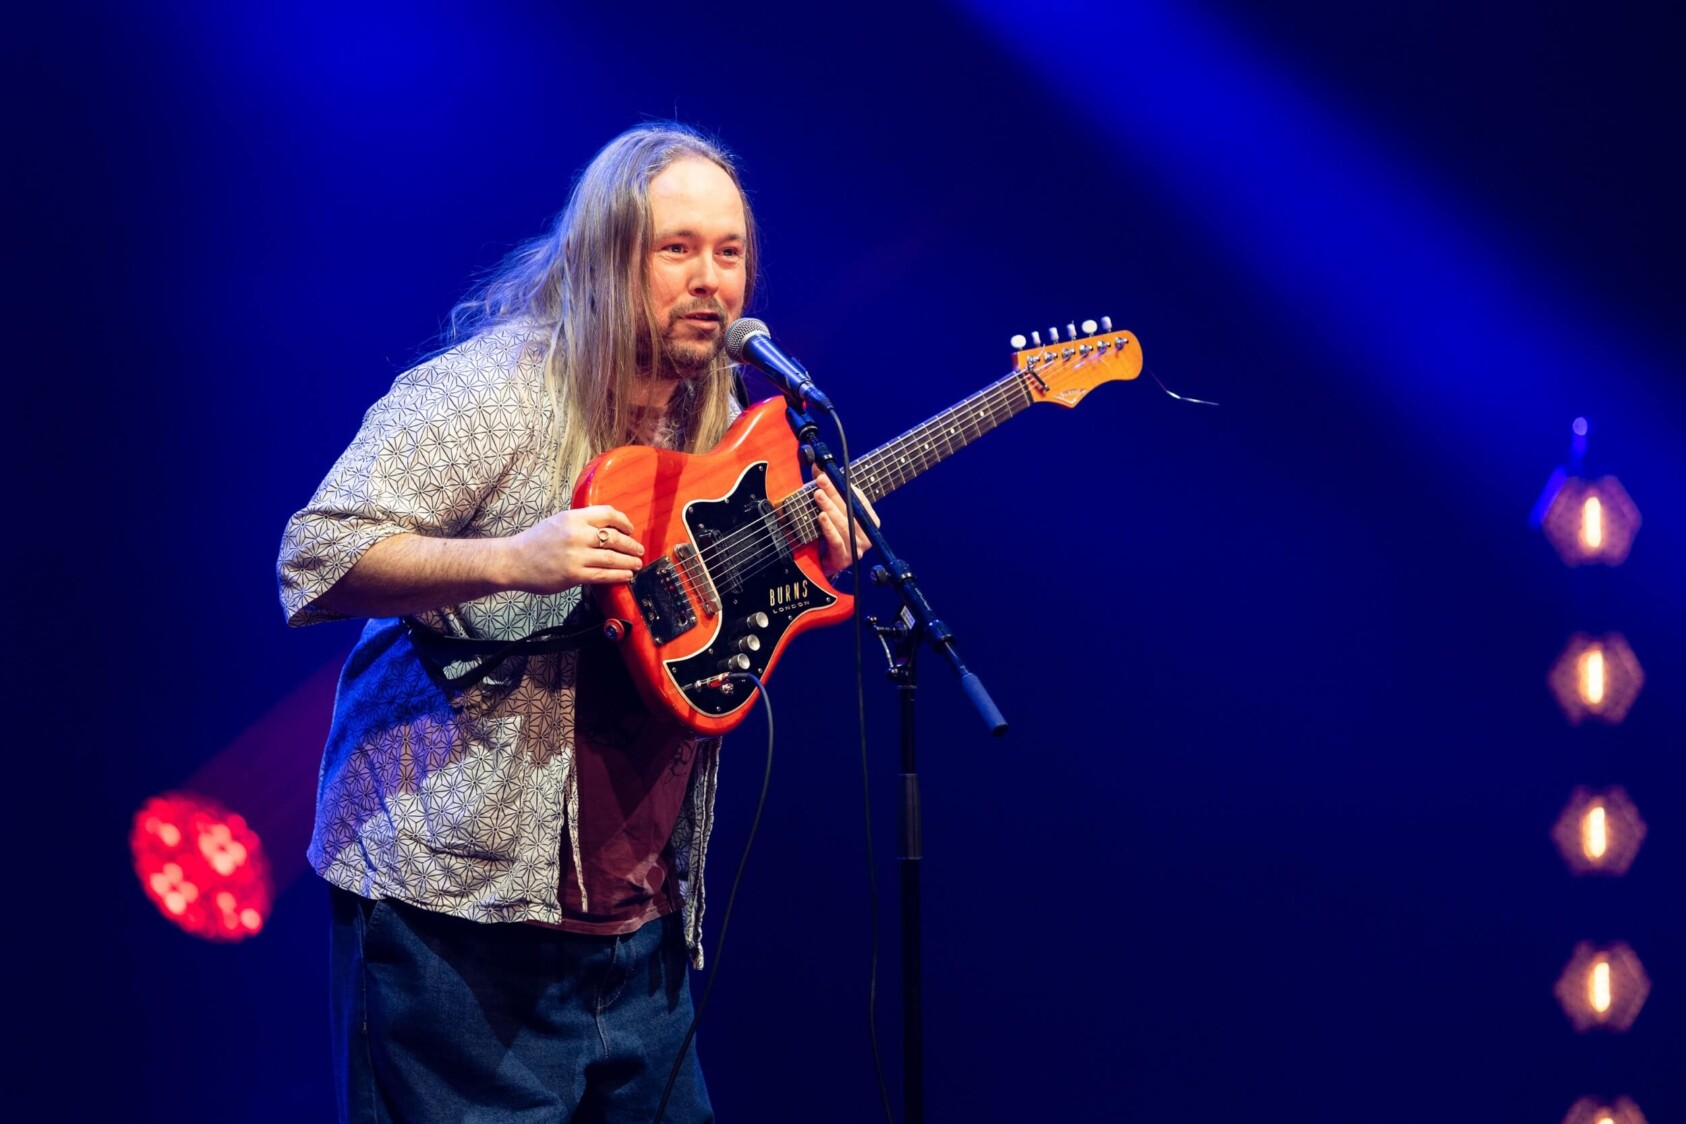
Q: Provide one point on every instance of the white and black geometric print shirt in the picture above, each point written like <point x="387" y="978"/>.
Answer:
<point x="456" y="801"/>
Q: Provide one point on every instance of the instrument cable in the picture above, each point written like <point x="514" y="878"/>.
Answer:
<point x="731" y="899"/>
<point x="755" y="823"/>
<point x="866" y="788"/>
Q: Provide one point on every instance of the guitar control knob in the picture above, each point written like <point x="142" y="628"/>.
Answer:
<point x="757" y="620"/>
<point x="738" y="662"/>
<point x="750" y="643"/>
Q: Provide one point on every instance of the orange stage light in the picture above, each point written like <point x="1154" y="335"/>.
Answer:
<point x="1603" y="987"/>
<point x="1591" y="521"/>
<point x="1593" y="1110"/>
<point x="1599" y="832"/>
<point x="1596" y="677"/>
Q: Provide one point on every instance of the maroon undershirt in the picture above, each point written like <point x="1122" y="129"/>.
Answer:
<point x="633" y="770"/>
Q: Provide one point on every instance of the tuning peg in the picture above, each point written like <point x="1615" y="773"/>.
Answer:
<point x="1016" y="343"/>
<point x="1036" y="339"/>
<point x="1070" y="331"/>
<point x="1054" y="334"/>
<point x="1089" y="327"/>
<point x="1106" y="323"/>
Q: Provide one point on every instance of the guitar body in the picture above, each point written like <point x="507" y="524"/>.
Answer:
<point x="725" y="585"/>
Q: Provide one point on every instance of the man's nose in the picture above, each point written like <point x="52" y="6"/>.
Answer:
<point x="705" y="275"/>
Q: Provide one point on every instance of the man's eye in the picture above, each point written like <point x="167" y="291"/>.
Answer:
<point x="733" y="251"/>
<point x="674" y="248"/>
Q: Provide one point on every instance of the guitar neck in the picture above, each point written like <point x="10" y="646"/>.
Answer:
<point x="900" y="459"/>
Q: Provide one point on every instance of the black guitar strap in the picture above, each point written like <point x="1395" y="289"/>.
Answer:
<point x="582" y="626"/>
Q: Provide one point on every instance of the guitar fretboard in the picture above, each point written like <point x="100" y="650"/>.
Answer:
<point x="900" y="459"/>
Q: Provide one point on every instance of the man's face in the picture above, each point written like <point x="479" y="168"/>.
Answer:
<point x="696" y="260"/>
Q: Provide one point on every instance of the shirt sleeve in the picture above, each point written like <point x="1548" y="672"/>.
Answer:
<point x="424" y="461"/>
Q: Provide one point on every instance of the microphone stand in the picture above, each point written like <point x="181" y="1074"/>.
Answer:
<point x="918" y="624"/>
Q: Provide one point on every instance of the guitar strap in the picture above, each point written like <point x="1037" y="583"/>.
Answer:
<point x="583" y="625"/>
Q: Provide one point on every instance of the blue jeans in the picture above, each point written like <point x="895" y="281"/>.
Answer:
<point x="437" y="1018"/>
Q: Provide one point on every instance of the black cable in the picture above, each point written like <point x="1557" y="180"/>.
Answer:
<point x="866" y="790"/>
<point x="731" y="898"/>
<point x="755" y="822"/>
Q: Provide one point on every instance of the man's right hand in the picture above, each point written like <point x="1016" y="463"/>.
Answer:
<point x="581" y="546"/>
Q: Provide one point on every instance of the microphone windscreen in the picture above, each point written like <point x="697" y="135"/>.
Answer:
<point x="738" y="335"/>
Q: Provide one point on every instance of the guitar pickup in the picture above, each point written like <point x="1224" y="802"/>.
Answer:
<point x="662" y="601"/>
<point x="691" y="563"/>
<point x="724" y="576"/>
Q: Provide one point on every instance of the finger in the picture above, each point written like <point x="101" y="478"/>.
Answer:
<point x="867" y="504"/>
<point x="863" y="542"/>
<point x="602" y="515"/>
<point x="832" y="500"/>
<point x="607" y="577"/>
<point x="836" y="553"/>
<point x="832" y="522"/>
<point x="618" y="540"/>
<point x="607" y="559"/>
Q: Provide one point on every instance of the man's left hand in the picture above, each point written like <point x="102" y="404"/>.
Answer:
<point x="835" y="557"/>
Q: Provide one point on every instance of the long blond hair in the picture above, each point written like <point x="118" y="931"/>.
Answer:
<point x="584" y="283"/>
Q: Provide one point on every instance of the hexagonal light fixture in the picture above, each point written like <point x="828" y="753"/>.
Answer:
<point x="1591" y="522"/>
<point x="1599" y="832"/>
<point x="1603" y="987"/>
<point x="1596" y="1110"/>
<point x="1596" y="677"/>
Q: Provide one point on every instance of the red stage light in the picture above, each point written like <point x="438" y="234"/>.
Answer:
<point x="1596" y="677"/>
<point x="1603" y="987"/>
<point x="1591" y="521"/>
<point x="202" y="866"/>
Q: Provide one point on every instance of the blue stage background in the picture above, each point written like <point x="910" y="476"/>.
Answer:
<point x="1270" y="836"/>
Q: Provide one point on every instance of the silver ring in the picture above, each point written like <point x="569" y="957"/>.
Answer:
<point x="602" y="536"/>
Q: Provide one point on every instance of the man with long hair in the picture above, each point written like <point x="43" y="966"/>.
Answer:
<point x="514" y="844"/>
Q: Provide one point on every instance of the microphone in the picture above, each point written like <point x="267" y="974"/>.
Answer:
<point x="748" y="341"/>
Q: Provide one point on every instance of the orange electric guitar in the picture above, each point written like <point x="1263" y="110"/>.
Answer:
<point x="732" y="569"/>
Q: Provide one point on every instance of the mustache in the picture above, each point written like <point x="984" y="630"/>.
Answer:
<point x="701" y="304"/>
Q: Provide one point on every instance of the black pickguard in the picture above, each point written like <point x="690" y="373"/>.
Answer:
<point x="749" y="559"/>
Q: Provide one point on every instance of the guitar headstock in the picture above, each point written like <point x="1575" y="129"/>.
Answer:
<point x="1063" y="371"/>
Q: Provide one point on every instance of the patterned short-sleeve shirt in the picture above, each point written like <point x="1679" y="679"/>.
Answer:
<point x="456" y="801"/>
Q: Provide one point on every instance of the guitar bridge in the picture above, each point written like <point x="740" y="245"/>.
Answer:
<point x="691" y="564"/>
<point x="662" y="601"/>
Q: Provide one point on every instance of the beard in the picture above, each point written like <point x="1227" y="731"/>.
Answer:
<point x="683" y="357"/>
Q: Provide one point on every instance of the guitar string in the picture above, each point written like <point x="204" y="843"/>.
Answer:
<point x="756" y="546"/>
<point x="755" y="543"/>
<point x="751" y="548"/>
